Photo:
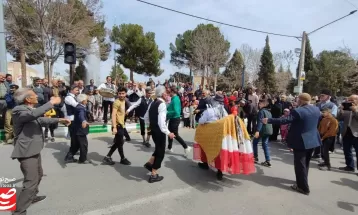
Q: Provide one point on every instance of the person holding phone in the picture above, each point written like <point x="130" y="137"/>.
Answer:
<point x="348" y="113"/>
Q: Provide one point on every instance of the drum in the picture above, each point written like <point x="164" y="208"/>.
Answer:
<point x="107" y="93"/>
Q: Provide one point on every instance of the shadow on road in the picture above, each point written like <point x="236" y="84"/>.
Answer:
<point x="202" y="180"/>
<point x="133" y="173"/>
<point x="347" y="183"/>
<point x="347" y="206"/>
<point x="264" y="180"/>
<point x="61" y="151"/>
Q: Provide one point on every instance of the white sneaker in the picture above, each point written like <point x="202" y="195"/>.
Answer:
<point x="187" y="151"/>
<point x="170" y="150"/>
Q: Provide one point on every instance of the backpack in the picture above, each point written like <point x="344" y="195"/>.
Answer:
<point x="266" y="130"/>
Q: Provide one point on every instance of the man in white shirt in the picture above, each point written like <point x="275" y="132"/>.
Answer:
<point x="155" y="117"/>
<point x="107" y="102"/>
<point x="71" y="104"/>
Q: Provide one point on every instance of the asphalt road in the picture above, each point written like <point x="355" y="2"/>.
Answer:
<point x="97" y="189"/>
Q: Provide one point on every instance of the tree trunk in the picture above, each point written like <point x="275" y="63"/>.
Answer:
<point x="131" y="76"/>
<point x="23" y="67"/>
<point x="46" y="69"/>
<point x="50" y="72"/>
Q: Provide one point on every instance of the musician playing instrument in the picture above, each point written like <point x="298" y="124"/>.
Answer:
<point x="107" y="101"/>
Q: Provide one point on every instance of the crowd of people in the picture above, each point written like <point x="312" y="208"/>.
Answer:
<point x="302" y="121"/>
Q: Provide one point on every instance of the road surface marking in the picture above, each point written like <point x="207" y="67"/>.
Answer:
<point x="127" y="205"/>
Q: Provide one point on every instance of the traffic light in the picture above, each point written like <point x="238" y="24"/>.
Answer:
<point x="70" y="53"/>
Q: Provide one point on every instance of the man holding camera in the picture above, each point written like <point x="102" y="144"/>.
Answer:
<point x="348" y="113"/>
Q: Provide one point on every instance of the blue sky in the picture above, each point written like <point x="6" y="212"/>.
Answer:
<point x="280" y="16"/>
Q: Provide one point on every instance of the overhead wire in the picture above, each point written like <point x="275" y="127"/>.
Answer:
<point x="219" y="22"/>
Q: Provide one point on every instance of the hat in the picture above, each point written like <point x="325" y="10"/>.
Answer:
<point x="305" y="97"/>
<point x="286" y="110"/>
<point x="326" y="92"/>
<point x="219" y="98"/>
<point x="243" y="101"/>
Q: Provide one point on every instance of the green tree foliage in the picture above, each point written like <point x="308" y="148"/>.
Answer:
<point x="232" y="75"/>
<point x="181" y="50"/>
<point x="138" y="51"/>
<point x="117" y="74"/>
<point x="266" y="75"/>
<point x="333" y="67"/>
<point x="310" y="84"/>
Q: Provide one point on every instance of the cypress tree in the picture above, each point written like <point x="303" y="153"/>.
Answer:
<point x="266" y="75"/>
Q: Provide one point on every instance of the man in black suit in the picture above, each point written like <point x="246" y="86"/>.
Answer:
<point x="141" y="107"/>
<point x="81" y="129"/>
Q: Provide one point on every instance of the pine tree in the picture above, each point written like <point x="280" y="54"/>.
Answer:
<point x="266" y="75"/>
<point x="233" y="72"/>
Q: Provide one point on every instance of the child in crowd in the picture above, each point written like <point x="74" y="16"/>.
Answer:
<point x="193" y="105"/>
<point x="186" y="115"/>
<point x="284" y="128"/>
<point x="328" y="130"/>
<point x="232" y="105"/>
<point x="51" y="113"/>
<point x="90" y="106"/>
<point x="97" y="106"/>
<point x="263" y="132"/>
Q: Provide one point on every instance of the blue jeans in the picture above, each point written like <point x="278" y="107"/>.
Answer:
<point x="349" y="142"/>
<point x="265" y="141"/>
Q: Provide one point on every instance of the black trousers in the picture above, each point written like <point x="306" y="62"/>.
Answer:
<point x="159" y="139"/>
<point x="73" y="147"/>
<point x="251" y="124"/>
<point x="276" y="130"/>
<point x="107" y="104"/>
<point x="118" y="142"/>
<point x="186" y="122"/>
<point x="173" y="127"/>
<point x="326" y="147"/>
<point x="302" y="160"/>
<point x="317" y="151"/>
<point x="142" y="128"/>
<point x="82" y="145"/>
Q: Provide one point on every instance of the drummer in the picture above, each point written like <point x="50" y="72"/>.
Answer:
<point x="107" y="101"/>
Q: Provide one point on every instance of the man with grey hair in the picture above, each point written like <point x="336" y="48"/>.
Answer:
<point x="141" y="107"/>
<point x="156" y="118"/>
<point x="80" y="129"/>
<point x="29" y="141"/>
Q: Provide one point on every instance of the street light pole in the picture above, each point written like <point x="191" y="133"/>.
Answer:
<point x="3" y="60"/>
<point x="303" y="49"/>
<point x="302" y="62"/>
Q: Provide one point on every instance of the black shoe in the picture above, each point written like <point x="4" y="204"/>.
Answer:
<point x="219" y="175"/>
<point x="203" y="165"/>
<point x="128" y="139"/>
<point x="38" y="199"/>
<point x="52" y="139"/>
<point x="325" y="168"/>
<point x="148" y="166"/>
<point x="85" y="162"/>
<point x="297" y="189"/>
<point x="266" y="164"/>
<point x="256" y="160"/>
<point x="147" y="144"/>
<point x="316" y="156"/>
<point x="155" y="178"/>
<point x="125" y="161"/>
<point x="70" y="159"/>
<point x="108" y="161"/>
<point x="346" y="168"/>
<point x="321" y="164"/>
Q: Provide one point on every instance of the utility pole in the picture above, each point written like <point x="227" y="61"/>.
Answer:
<point x="301" y="66"/>
<point x="3" y="60"/>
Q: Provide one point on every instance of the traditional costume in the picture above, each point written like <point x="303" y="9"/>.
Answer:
<point x="225" y="144"/>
